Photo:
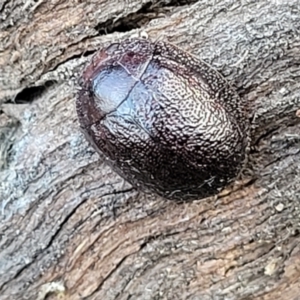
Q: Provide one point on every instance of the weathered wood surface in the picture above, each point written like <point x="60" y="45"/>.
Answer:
<point x="72" y="229"/>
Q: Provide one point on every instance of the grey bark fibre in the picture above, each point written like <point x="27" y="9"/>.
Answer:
<point x="71" y="228"/>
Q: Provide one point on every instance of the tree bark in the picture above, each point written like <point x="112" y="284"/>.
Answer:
<point x="71" y="228"/>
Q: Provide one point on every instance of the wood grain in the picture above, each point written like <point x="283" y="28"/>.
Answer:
<point x="73" y="229"/>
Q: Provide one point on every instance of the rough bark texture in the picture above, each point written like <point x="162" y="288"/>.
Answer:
<point x="72" y="229"/>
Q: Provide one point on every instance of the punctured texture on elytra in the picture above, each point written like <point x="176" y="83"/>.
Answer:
<point x="166" y="121"/>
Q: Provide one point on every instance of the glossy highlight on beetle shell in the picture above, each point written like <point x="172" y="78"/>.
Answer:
<point x="166" y="121"/>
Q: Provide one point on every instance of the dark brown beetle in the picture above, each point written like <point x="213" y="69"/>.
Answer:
<point x="166" y="121"/>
